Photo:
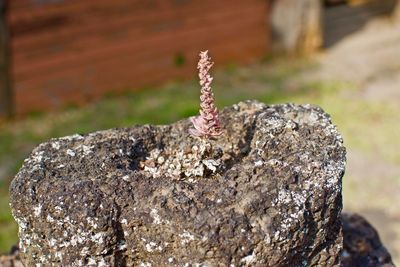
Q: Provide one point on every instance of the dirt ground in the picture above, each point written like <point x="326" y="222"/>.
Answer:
<point x="370" y="59"/>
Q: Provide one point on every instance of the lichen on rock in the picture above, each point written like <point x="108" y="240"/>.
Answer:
<point x="268" y="193"/>
<point x="177" y="163"/>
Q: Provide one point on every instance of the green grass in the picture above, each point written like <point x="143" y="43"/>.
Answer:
<point x="8" y="229"/>
<point x="273" y="81"/>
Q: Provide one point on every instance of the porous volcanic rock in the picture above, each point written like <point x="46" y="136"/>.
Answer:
<point x="267" y="192"/>
<point x="362" y="246"/>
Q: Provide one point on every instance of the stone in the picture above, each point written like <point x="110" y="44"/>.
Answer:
<point x="267" y="192"/>
<point x="12" y="259"/>
<point x="362" y="246"/>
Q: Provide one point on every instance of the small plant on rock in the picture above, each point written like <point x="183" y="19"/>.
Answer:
<point x="207" y="124"/>
<point x="200" y="160"/>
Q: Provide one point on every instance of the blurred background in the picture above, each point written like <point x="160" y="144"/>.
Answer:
<point x="77" y="66"/>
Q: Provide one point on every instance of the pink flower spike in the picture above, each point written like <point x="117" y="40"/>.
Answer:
<point x="207" y="123"/>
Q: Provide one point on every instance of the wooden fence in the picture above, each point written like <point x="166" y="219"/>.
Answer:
<point x="73" y="51"/>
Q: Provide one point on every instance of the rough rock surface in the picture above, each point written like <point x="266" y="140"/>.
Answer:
<point x="362" y="247"/>
<point x="267" y="192"/>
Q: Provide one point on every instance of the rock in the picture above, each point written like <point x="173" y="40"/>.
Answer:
<point x="362" y="247"/>
<point x="265" y="193"/>
<point x="11" y="260"/>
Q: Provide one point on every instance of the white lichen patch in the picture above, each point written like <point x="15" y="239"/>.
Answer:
<point x="56" y="145"/>
<point x="85" y="150"/>
<point x="58" y="255"/>
<point x="186" y="237"/>
<point x="271" y="123"/>
<point x="334" y="171"/>
<point x="211" y="164"/>
<point x="36" y="159"/>
<point x="102" y="263"/>
<point x="74" y="137"/>
<point x="92" y="262"/>
<point x="52" y="242"/>
<point x="49" y="218"/>
<point x="84" y="251"/>
<point x="192" y="162"/>
<point x="258" y="163"/>
<point x="249" y="259"/>
<point x="24" y="238"/>
<point x="70" y="152"/>
<point x="290" y="219"/>
<point x="37" y="210"/>
<point x="58" y="209"/>
<point x="313" y="117"/>
<point x="153" y="246"/>
<point x="156" y="217"/>
<point x="98" y="237"/>
<point x="73" y="236"/>
<point x="92" y="222"/>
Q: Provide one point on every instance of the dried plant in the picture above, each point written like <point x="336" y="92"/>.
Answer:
<point x="207" y="123"/>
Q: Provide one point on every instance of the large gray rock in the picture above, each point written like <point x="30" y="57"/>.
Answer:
<point x="265" y="193"/>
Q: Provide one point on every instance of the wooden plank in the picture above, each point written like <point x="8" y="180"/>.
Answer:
<point x="93" y="50"/>
<point x="68" y="37"/>
<point x="6" y="99"/>
<point x="92" y="25"/>
<point x="134" y="63"/>
<point x="112" y="8"/>
<point x="74" y="86"/>
<point x="91" y="53"/>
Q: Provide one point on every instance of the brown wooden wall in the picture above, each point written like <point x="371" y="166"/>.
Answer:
<point x="72" y="51"/>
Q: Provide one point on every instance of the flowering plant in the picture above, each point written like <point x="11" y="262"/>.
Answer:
<point x="207" y="123"/>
